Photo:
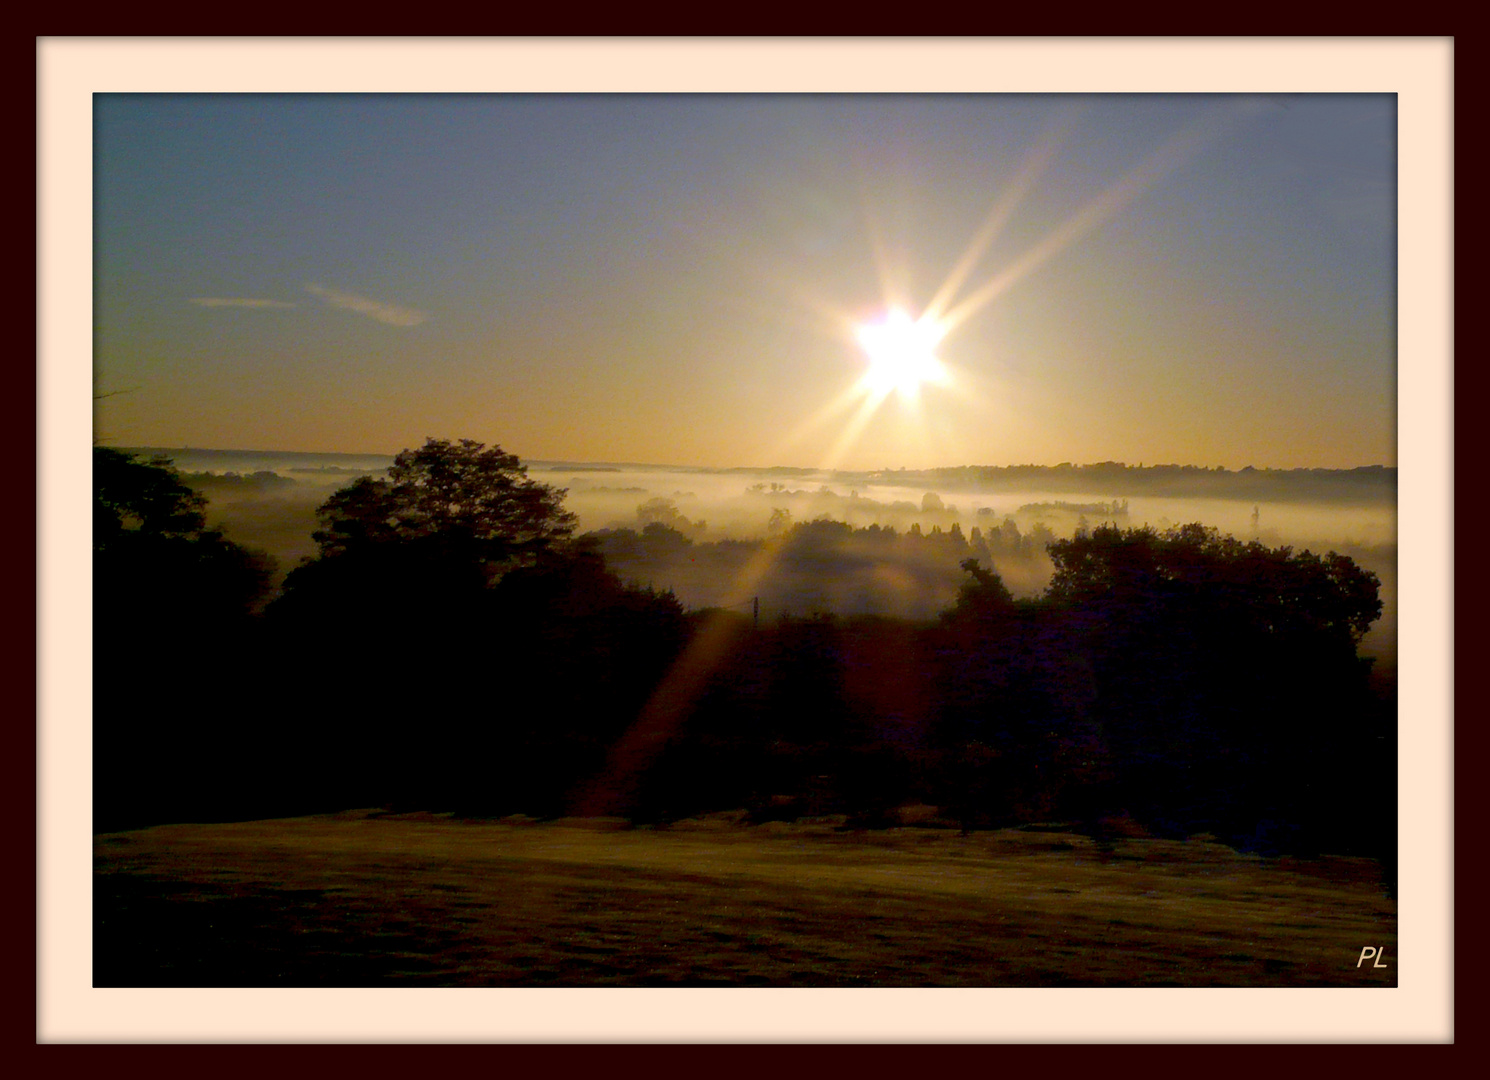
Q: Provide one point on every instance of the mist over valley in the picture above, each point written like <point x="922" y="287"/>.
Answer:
<point x="893" y="539"/>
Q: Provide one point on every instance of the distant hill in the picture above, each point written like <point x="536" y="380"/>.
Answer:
<point x="1369" y="484"/>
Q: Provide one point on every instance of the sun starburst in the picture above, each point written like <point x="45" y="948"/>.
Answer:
<point x="902" y="353"/>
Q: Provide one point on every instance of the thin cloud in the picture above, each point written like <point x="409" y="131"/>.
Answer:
<point x="391" y="314"/>
<point x="238" y="301"/>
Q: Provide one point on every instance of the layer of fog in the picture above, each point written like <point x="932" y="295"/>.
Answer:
<point x="731" y="540"/>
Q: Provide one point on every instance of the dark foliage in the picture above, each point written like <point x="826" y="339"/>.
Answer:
<point x="457" y="501"/>
<point x="468" y="656"/>
<point x="452" y="648"/>
<point x="1178" y="682"/>
<point x="169" y="595"/>
<point x="1225" y="682"/>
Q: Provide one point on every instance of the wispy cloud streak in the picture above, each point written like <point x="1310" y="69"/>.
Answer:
<point x="392" y="314"/>
<point x="239" y="302"/>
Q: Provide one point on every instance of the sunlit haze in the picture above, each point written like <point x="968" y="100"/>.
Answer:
<point x="832" y="281"/>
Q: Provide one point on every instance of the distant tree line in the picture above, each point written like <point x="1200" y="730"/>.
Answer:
<point x="1114" y="509"/>
<point x="453" y="646"/>
<point x="1366" y="484"/>
<point x="829" y="566"/>
<point x="262" y="481"/>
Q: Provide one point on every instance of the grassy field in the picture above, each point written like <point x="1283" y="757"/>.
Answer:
<point x="373" y="899"/>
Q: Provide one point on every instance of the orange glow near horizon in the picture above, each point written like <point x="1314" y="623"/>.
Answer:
<point x="902" y="349"/>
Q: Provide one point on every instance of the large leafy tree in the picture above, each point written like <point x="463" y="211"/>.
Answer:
<point x="1270" y="590"/>
<point x="1225" y="676"/>
<point x="172" y="599"/>
<point x="984" y="596"/>
<point x="462" y="498"/>
<point x="148" y="499"/>
<point x="156" y="562"/>
<point x="470" y="654"/>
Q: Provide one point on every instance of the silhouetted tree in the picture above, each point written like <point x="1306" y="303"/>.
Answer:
<point x="424" y="544"/>
<point x="1274" y="589"/>
<point x="150" y="499"/>
<point x="157" y="565"/>
<point x="1227" y="683"/>
<point x="171" y="598"/>
<point x="996" y="726"/>
<point x="985" y="595"/>
<point x="462" y="497"/>
<point x="518" y="654"/>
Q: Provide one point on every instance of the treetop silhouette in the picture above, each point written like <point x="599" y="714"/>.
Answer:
<point x="154" y="556"/>
<point x="130" y="495"/>
<point x="1275" y="590"/>
<point x="461" y="497"/>
<point x="983" y="597"/>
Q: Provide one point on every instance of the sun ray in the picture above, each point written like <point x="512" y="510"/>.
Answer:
<point x="847" y="438"/>
<point x="971" y="388"/>
<point x="611" y="790"/>
<point x="835" y="407"/>
<point x="901" y="349"/>
<point x="879" y="251"/>
<point x="1132" y="184"/>
<point x="1034" y="166"/>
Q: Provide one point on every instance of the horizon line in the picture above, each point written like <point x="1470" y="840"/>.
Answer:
<point x="796" y="468"/>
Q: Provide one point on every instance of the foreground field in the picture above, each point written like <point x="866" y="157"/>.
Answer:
<point x="371" y="899"/>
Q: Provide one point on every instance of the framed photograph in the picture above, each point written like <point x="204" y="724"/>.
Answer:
<point x="724" y="540"/>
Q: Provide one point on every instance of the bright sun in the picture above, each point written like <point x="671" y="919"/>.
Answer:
<point x="902" y="353"/>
